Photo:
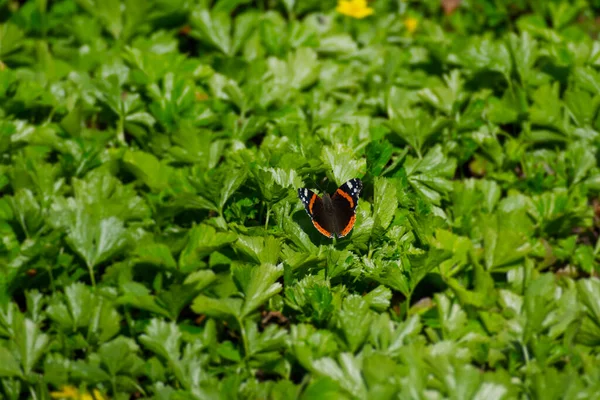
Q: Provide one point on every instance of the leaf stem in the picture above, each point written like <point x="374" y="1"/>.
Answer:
<point x="244" y="338"/>
<point x="32" y="392"/>
<point x="91" y="272"/>
<point x="268" y="215"/>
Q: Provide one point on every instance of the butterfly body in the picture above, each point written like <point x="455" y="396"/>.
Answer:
<point x="333" y="215"/>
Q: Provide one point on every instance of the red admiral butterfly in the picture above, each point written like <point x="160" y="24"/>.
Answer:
<point x="333" y="215"/>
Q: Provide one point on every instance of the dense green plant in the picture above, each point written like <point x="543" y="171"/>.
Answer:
<point x="153" y="246"/>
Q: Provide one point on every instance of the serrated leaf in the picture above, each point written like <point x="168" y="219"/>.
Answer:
<point x="138" y="296"/>
<point x="259" y="249"/>
<point x="119" y="356"/>
<point x="94" y="241"/>
<point x="147" y="168"/>
<point x="230" y="184"/>
<point x="203" y="240"/>
<point x="589" y="292"/>
<point x="341" y="162"/>
<point x="213" y="28"/>
<point x="155" y="253"/>
<point x="27" y="211"/>
<point x="345" y="373"/>
<point x="275" y="183"/>
<point x="217" y="308"/>
<point x="379" y="298"/>
<point x="30" y="343"/>
<point x="354" y="309"/>
<point x="505" y="237"/>
<point x="162" y="338"/>
<point x="385" y="204"/>
<point x="261" y="287"/>
<point x="9" y="366"/>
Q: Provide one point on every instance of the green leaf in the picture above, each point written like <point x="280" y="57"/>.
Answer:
<point x="261" y="250"/>
<point x="354" y="309"/>
<point x="429" y="176"/>
<point x="583" y="159"/>
<point x="341" y="162"/>
<point x="217" y="308"/>
<point x="379" y="298"/>
<point x="508" y="108"/>
<point x="213" y="28"/>
<point x="524" y="50"/>
<point x="416" y="127"/>
<point x="177" y="297"/>
<point x="304" y="68"/>
<point x="230" y="184"/>
<point x="138" y="296"/>
<point x="119" y="356"/>
<point x="260" y="287"/>
<point x="589" y="291"/>
<point x="378" y="156"/>
<point x="547" y="108"/>
<point x="275" y="183"/>
<point x="27" y="211"/>
<point x="147" y="168"/>
<point x="345" y="372"/>
<point x="96" y="241"/>
<point x="30" y="343"/>
<point x="385" y="204"/>
<point x="203" y="240"/>
<point x="9" y="366"/>
<point x="162" y="338"/>
<point x="505" y="238"/>
<point x="445" y="97"/>
<point x="156" y="254"/>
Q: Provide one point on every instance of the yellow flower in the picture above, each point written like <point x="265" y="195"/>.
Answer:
<point x="71" y="392"/>
<point x="354" y="8"/>
<point x="97" y="396"/>
<point x="411" y="24"/>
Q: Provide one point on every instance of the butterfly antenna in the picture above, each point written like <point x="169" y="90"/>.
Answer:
<point x="325" y="183"/>
<point x="316" y="182"/>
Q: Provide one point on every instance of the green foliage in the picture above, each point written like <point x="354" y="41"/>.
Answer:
<point x="152" y="244"/>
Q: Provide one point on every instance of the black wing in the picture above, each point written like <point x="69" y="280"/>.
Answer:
<point x="314" y="207"/>
<point x="345" y="200"/>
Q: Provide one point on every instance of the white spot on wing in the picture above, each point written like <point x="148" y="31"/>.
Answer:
<point x="350" y="184"/>
<point x="305" y="192"/>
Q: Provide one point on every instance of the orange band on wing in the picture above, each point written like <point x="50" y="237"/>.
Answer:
<point x="348" y="227"/>
<point x="321" y="229"/>
<point x="346" y="196"/>
<point x="311" y="203"/>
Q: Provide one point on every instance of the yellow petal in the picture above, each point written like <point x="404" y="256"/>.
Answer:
<point x="66" y="392"/>
<point x="354" y="8"/>
<point x="411" y="24"/>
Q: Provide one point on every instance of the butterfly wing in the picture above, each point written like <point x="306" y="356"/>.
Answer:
<point x="314" y="208"/>
<point x="345" y="200"/>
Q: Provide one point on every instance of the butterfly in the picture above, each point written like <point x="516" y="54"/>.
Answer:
<point x="333" y="215"/>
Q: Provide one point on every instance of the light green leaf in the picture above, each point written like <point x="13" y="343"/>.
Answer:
<point x="203" y="240"/>
<point x="27" y="211"/>
<point x="9" y="366"/>
<point x="30" y="343"/>
<point x="162" y="338"/>
<point x="94" y="241"/>
<point x="385" y="204"/>
<point x="340" y="160"/>
<point x="261" y="287"/>
<point x="346" y="373"/>
<point x="217" y="308"/>
<point x="355" y="309"/>
<point x="259" y="249"/>
<point x="147" y="168"/>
